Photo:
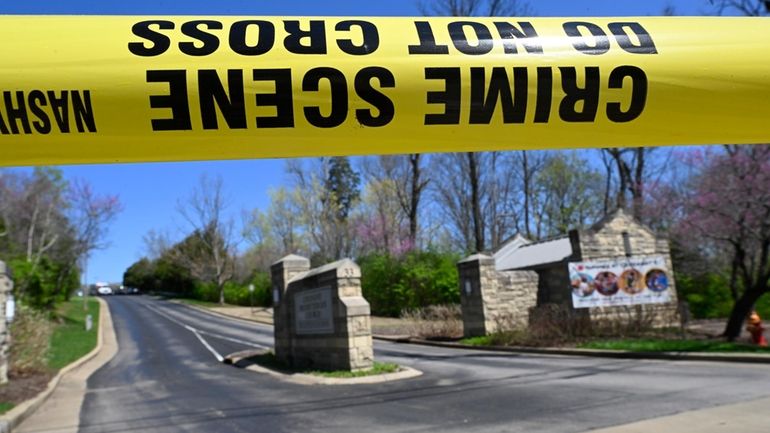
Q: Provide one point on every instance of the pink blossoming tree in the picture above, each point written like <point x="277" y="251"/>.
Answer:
<point x="725" y="210"/>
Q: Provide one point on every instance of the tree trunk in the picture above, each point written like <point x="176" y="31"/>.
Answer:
<point x="622" y="182"/>
<point x="478" y="229"/>
<point x="525" y="167"/>
<point x="637" y="192"/>
<point x="607" y="184"/>
<point x="221" y="289"/>
<point x="414" y="197"/>
<point x="740" y="312"/>
<point x="734" y="279"/>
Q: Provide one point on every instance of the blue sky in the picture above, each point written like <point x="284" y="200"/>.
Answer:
<point x="150" y="192"/>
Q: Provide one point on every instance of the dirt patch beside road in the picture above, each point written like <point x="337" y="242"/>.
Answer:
<point x="21" y="388"/>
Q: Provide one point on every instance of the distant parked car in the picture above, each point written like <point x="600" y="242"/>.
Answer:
<point x="104" y="290"/>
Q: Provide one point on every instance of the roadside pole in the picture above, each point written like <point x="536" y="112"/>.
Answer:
<point x="85" y="283"/>
<point x="251" y="297"/>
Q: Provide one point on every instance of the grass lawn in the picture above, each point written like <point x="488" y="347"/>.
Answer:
<point x="5" y="407"/>
<point x="70" y="340"/>
<point x="378" y="368"/>
<point x="268" y="360"/>
<point x="652" y="345"/>
<point x="640" y="345"/>
<point x="484" y="340"/>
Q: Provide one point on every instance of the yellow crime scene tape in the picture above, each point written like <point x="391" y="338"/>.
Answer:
<point x="102" y="89"/>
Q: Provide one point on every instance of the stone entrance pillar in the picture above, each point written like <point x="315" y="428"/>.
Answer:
<point x="6" y="284"/>
<point x="320" y="318"/>
<point x="494" y="300"/>
<point x="281" y="272"/>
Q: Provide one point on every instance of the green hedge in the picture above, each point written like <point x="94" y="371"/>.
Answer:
<point x="418" y="279"/>
<point x="238" y="294"/>
<point x="709" y="296"/>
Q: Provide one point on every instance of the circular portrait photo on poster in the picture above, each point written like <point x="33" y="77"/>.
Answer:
<point x="582" y="284"/>
<point x="656" y="280"/>
<point x="606" y="283"/>
<point x="631" y="281"/>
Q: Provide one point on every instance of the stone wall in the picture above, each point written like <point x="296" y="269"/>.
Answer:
<point x="552" y="288"/>
<point x="321" y="319"/>
<point x="5" y="338"/>
<point x="606" y="242"/>
<point x="494" y="300"/>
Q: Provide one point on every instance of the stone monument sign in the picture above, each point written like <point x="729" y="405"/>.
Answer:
<point x="321" y="319"/>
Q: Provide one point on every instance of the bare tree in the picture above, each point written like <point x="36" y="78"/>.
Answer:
<point x="484" y="179"/>
<point x="280" y="224"/>
<point x="51" y="225"/>
<point x="209" y="250"/>
<point x="452" y="194"/>
<point x="474" y="180"/>
<point x="472" y="168"/>
<point x="34" y="223"/>
<point x="324" y="219"/>
<point x="40" y="216"/>
<point x="156" y="243"/>
<point x="630" y="165"/>
<point x="569" y="191"/>
<point x="465" y="8"/>
<point x="607" y="164"/>
<point x="380" y="224"/>
<point x="636" y="174"/>
<point x="527" y="164"/>
<point x="751" y="8"/>
<point x="502" y="207"/>
<point x="410" y="181"/>
<point x="89" y="215"/>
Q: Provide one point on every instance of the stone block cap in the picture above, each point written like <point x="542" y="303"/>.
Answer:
<point x="294" y="259"/>
<point x="355" y="306"/>
<point x="477" y="258"/>
<point x="344" y="268"/>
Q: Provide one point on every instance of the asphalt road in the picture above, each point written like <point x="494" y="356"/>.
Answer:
<point x="166" y="378"/>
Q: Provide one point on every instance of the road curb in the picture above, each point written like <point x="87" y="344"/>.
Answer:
<point x="596" y="353"/>
<point x="11" y="419"/>
<point x="311" y="379"/>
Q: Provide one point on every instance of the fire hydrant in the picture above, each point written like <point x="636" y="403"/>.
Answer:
<point x="756" y="329"/>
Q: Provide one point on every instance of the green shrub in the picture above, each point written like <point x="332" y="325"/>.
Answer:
<point x="236" y="293"/>
<point x="44" y="285"/>
<point x="418" y="279"/>
<point x="30" y="335"/>
<point x="707" y="295"/>
<point x="383" y="286"/>
<point x="205" y="292"/>
<point x="263" y="289"/>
